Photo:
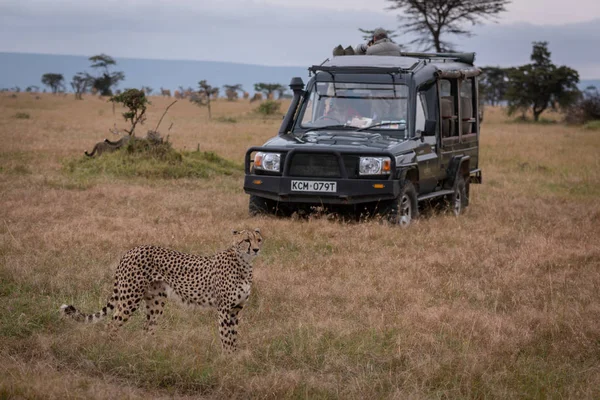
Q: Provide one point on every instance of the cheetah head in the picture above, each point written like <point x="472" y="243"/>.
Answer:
<point x="248" y="241"/>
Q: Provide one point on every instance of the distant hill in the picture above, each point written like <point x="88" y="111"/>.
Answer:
<point x="22" y="69"/>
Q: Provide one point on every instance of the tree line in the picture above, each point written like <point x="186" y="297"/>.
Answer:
<point x="536" y="86"/>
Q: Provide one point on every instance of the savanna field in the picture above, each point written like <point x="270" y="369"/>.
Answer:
<point x="502" y="302"/>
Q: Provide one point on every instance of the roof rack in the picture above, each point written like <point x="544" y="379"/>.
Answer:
<point x="467" y="58"/>
<point x="358" y="69"/>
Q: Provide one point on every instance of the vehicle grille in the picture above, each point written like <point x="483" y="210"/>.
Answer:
<point x="323" y="165"/>
<point x="315" y="165"/>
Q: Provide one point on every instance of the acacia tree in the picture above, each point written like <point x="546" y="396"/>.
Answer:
<point x="231" y="91"/>
<point x="106" y="80"/>
<point x="54" y="81"/>
<point x="269" y="88"/>
<point x="204" y="95"/>
<point x="80" y="84"/>
<point x="541" y="85"/>
<point x="433" y="19"/>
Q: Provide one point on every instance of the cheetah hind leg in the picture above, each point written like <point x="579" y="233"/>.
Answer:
<point x="228" y="326"/>
<point x="126" y="305"/>
<point x="154" y="297"/>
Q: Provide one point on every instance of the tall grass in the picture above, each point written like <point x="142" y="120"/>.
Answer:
<point x="502" y="302"/>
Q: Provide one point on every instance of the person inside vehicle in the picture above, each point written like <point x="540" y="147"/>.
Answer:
<point x="340" y="110"/>
<point x="379" y="45"/>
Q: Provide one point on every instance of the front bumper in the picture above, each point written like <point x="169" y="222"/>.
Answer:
<point x="349" y="191"/>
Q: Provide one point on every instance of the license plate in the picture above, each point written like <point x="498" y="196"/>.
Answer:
<point x="314" y="186"/>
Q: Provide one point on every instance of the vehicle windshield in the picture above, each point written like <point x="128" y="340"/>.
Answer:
<point x="358" y="105"/>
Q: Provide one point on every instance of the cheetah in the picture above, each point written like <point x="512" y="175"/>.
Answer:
<point x="220" y="281"/>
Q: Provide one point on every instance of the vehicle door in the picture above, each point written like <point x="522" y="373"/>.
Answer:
<point x="426" y="150"/>
<point x="459" y="125"/>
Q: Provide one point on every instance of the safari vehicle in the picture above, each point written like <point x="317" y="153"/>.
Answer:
<point x="376" y="134"/>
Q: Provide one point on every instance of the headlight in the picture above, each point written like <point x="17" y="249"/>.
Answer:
<point x="374" y="166"/>
<point x="267" y="161"/>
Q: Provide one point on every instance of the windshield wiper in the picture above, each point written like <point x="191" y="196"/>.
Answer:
<point x="321" y="128"/>
<point x="380" y="124"/>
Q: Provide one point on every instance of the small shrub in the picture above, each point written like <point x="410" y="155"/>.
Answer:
<point x="22" y="115"/>
<point x="269" y="107"/>
<point x="228" y="120"/>
<point x="592" y="125"/>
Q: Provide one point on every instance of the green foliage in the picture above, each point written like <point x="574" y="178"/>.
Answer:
<point x="54" y="81"/>
<point x="493" y="83"/>
<point x="22" y="115"/>
<point x="541" y="84"/>
<point x="135" y="101"/>
<point x="145" y="158"/>
<point x="269" y="107"/>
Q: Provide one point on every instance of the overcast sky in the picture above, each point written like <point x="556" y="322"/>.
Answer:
<point x="271" y="32"/>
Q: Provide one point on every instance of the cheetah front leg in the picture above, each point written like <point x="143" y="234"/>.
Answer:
<point x="228" y="325"/>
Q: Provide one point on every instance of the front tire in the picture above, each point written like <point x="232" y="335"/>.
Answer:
<point x="259" y="206"/>
<point x="405" y="208"/>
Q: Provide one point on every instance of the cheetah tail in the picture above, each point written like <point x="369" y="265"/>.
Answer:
<point x="78" y="316"/>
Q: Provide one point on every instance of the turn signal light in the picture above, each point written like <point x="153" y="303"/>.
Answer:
<point x="379" y="186"/>
<point x="387" y="165"/>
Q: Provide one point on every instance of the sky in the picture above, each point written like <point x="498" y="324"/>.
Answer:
<point x="278" y="32"/>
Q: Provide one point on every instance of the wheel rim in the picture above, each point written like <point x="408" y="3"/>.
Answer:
<point x="457" y="202"/>
<point x="405" y="211"/>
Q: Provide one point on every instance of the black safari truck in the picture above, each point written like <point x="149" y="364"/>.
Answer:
<point x="374" y="134"/>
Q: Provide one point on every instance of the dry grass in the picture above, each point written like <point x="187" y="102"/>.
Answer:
<point x="503" y="302"/>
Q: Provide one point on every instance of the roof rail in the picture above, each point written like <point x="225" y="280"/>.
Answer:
<point x="467" y="58"/>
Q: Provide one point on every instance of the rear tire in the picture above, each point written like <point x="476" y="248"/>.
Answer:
<point x="458" y="201"/>
<point x="405" y="209"/>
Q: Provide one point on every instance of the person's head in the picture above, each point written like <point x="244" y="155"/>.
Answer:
<point x="379" y="34"/>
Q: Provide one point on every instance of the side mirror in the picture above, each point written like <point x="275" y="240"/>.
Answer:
<point x="430" y="127"/>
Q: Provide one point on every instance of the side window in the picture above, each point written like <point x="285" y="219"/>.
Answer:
<point x="448" y="107"/>
<point x="309" y="110"/>
<point x="467" y="108"/>
<point x="421" y="112"/>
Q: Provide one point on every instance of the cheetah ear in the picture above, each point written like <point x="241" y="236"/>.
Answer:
<point x="257" y="230"/>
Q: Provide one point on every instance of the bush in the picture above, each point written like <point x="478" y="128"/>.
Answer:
<point x="592" y="125"/>
<point x="22" y="115"/>
<point x="228" y="120"/>
<point x="269" y="107"/>
<point x="586" y="109"/>
<point x="144" y="158"/>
